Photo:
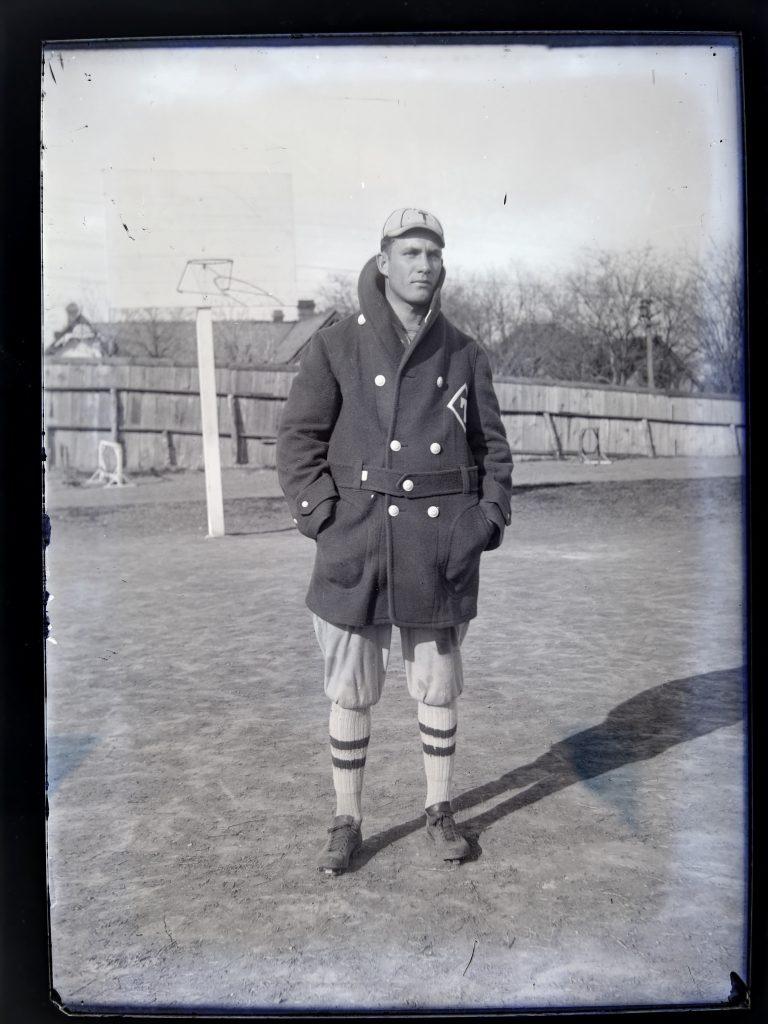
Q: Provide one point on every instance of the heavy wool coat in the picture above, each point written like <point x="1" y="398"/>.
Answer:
<point x="395" y="461"/>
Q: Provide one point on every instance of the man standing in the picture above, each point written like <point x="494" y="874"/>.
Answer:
<point x="393" y="457"/>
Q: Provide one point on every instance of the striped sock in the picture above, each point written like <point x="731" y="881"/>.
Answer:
<point x="350" y="731"/>
<point x="438" y="742"/>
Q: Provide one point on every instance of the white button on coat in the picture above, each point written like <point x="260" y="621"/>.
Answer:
<point x="433" y="511"/>
<point x="435" y="447"/>
<point x="407" y="485"/>
<point x="305" y="504"/>
<point x="361" y="319"/>
<point x="379" y="380"/>
<point x="439" y="382"/>
<point x="393" y="510"/>
<point x="395" y="446"/>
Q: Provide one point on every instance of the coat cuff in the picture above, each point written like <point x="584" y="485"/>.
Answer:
<point x="314" y="505"/>
<point x="492" y="491"/>
<point x="495" y="516"/>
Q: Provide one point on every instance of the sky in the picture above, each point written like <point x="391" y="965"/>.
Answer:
<point x="290" y="158"/>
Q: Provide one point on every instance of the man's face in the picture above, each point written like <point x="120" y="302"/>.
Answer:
<point x="412" y="266"/>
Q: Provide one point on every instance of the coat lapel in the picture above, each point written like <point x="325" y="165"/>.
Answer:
<point x="377" y="311"/>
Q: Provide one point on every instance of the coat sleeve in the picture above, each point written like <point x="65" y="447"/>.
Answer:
<point x="306" y="424"/>
<point x="488" y="440"/>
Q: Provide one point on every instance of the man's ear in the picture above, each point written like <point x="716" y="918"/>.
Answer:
<point x="382" y="262"/>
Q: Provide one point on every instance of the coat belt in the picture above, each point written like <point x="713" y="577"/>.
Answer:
<point x="462" y="480"/>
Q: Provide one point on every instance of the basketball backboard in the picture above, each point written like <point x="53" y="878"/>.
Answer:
<point x="174" y="236"/>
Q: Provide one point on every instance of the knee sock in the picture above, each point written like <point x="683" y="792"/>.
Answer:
<point x="438" y="743"/>
<point x="350" y="731"/>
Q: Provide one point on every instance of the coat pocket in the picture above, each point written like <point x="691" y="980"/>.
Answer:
<point x="342" y="544"/>
<point x="469" y="535"/>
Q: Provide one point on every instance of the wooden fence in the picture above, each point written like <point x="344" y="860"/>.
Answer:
<point x="154" y="412"/>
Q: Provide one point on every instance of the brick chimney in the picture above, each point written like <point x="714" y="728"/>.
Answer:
<point x="306" y="308"/>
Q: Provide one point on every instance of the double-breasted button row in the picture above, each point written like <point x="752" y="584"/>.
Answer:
<point x="433" y="511"/>
<point x="435" y="447"/>
<point x="380" y="380"/>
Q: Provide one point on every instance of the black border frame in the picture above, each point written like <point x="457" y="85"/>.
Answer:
<point x="24" y="28"/>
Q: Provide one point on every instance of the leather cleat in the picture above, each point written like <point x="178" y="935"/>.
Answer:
<point x="448" y="841"/>
<point x="344" y="840"/>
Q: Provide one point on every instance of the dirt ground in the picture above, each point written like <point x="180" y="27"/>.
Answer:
<point x="600" y="767"/>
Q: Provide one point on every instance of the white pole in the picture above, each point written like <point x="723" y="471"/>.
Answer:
<point x="210" y="422"/>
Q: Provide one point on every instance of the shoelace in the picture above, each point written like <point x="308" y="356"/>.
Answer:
<point x="448" y="826"/>
<point x="340" y="835"/>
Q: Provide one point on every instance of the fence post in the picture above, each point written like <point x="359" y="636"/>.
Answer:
<point x="649" y="439"/>
<point x="170" y="451"/>
<point x="50" y="446"/>
<point x="114" y="415"/>
<point x="553" y="434"/>
<point x="735" y="430"/>
<point x="235" y="428"/>
<point x="114" y="420"/>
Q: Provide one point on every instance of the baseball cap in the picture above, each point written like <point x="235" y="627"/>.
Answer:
<point x="407" y="218"/>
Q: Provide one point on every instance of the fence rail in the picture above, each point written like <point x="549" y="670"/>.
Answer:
<point x="153" y="411"/>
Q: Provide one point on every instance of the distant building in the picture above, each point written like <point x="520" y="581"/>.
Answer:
<point x="236" y="342"/>
<point x="292" y="343"/>
<point x="78" y="339"/>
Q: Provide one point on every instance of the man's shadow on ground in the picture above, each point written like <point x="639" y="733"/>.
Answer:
<point x="636" y="730"/>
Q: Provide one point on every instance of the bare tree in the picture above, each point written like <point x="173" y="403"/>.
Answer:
<point x="238" y="344"/>
<point x="472" y="302"/>
<point x="496" y="307"/>
<point x="155" y="332"/>
<point x="670" y="296"/>
<point x="524" y="322"/>
<point x="339" y="292"/>
<point x="587" y="324"/>
<point x="718" y="320"/>
<point x="602" y="302"/>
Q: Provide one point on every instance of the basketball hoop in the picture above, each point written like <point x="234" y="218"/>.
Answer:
<point x="206" y="278"/>
<point x="212" y="279"/>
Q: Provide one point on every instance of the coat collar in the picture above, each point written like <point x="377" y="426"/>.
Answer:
<point x="376" y="309"/>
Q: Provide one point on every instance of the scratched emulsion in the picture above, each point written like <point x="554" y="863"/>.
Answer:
<point x="600" y="769"/>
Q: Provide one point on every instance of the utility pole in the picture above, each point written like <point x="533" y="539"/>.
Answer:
<point x="645" y="316"/>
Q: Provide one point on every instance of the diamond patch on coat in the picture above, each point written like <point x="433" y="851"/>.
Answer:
<point x="458" y="406"/>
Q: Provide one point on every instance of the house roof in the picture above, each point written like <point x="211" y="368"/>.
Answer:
<point x="290" y="346"/>
<point x="235" y="341"/>
<point x="81" y="338"/>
